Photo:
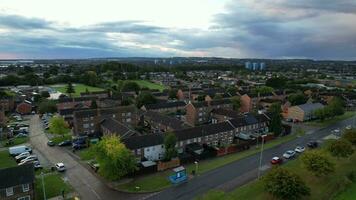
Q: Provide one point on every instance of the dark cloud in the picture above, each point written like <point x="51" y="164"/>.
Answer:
<point x="19" y="22"/>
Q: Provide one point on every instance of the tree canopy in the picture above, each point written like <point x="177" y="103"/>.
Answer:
<point x="317" y="163"/>
<point x="236" y="103"/>
<point x="350" y="135"/>
<point x="170" y="141"/>
<point x="57" y="125"/>
<point x="341" y="148"/>
<point x="114" y="158"/>
<point x="47" y="106"/>
<point x="284" y="184"/>
<point x="144" y="98"/>
<point x="276" y="119"/>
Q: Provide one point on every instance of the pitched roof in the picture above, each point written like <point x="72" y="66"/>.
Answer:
<point x="165" y="105"/>
<point x="165" y="120"/>
<point x="226" y="112"/>
<point x="103" y="111"/>
<point x="17" y="175"/>
<point x="76" y="99"/>
<point x="201" y="131"/>
<point x="309" y="107"/>
<point x="118" y="128"/>
<point x="142" y="141"/>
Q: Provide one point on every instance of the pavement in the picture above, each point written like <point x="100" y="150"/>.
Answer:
<point x="242" y="171"/>
<point x="86" y="184"/>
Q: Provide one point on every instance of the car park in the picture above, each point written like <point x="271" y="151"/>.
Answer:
<point x="276" y="160"/>
<point x="60" y="167"/>
<point x="289" y="154"/>
<point x="299" y="149"/>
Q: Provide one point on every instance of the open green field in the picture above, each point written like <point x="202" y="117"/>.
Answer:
<point x="327" y="122"/>
<point x="54" y="184"/>
<point x="150" y="85"/>
<point x="6" y="160"/>
<point x="321" y="188"/>
<point x="159" y="181"/>
<point x="77" y="87"/>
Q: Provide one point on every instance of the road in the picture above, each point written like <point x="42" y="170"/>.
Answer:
<point x="86" y="184"/>
<point x="238" y="173"/>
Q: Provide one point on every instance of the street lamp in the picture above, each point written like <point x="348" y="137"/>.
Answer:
<point x="259" y="166"/>
<point x="43" y="187"/>
<point x="196" y="167"/>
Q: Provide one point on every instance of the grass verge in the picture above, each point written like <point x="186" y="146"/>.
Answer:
<point x="16" y="141"/>
<point x="348" y="194"/>
<point x="54" y="184"/>
<point x="159" y="181"/>
<point x="86" y="154"/>
<point x="6" y="160"/>
<point x="346" y="115"/>
<point x="59" y="138"/>
<point x="79" y="88"/>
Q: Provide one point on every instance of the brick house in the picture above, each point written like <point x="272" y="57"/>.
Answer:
<point x="17" y="183"/>
<point x="111" y="126"/>
<point x="303" y="112"/>
<point x="88" y="121"/>
<point x="148" y="147"/>
<point x="24" y="108"/>
<point x="96" y="94"/>
<point x="7" y="103"/>
<point x="67" y="102"/>
<point x="246" y="103"/>
<point x="3" y="118"/>
<point x="161" y="123"/>
<point x="165" y="106"/>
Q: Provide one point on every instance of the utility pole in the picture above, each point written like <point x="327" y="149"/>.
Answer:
<point x="43" y="187"/>
<point x="259" y="166"/>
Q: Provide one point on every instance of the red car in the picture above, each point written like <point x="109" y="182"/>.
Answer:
<point x="276" y="160"/>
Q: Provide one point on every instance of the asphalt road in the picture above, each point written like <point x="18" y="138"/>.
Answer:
<point x="238" y="173"/>
<point x="86" y="184"/>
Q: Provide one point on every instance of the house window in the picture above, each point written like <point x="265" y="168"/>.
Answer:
<point x="91" y="118"/>
<point x="24" y="198"/>
<point x="85" y="119"/>
<point x="9" y="191"/>
<point x="113" y="115"/>
<point x="199" y="139"/>
<point x="92" y="124"/>
<point x="181" y="143"/>
<point x="128" y="114"/>
<point x="25" y="187"/>
<point x="128" y="120"/>
<point x="123" y="114"/>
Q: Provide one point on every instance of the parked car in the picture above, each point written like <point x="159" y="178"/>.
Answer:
<point x="21" y="135"/>
<point x="51" y="143"/>
<point x="348" y="127"/>
<point x="65" y="143"/>
<point x="29" y="159"/>
<point x="14" y="151"/>
<point x="22" y="156"/>
<point x="37" y="165"/>
<point x="289" y="154"/>
<point x="312" y="144"/>
<point x="276" y="160"/>
<point x="94" y="165"/>
<point x="299" y="149"/>
<point x="60" y="167"/>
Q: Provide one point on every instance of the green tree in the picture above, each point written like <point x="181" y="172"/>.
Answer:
<point x="45" y="94"/>
<point x="340" y="148"/>
<point x="144" y="98"/>
<point x="172" y="94"/>
<point x="130" y="86"/>
<point x="297" y="99"/>
<point x="47" y="106"/>
<point x="93" y="104"/>
<point x="90" y="78"/>
<point x="276" y="82"/>
<point x="284" y="184"/>
<point x="317" y="163"/>
<point x="232" y="90"/>
<point x="57" y="125"/>
<point x="201" y="97"/>
<point x="236" y="103"/>
<point x="350" y="135"/>
<point x="218" y="97"/>
<point x="170" y="141"/>
<point x="70" y="89"/>
<point x="263" y="90"/>
<point x="276" y="119"/>
<point x="114" y="158"/>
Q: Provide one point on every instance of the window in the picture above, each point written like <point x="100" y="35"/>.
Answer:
<point x="91" y="118"/>
<point x="92" y="124"/>
<point x="85" y="125"/>
<point x="24" y="198"/>
<point x="9" y="191"/>
<point x="123" y="114"/>
<point x="113" y="115"/>
<point x="25" y="187"/>
<point x="128" y="120"/>
<point x="85" y="119"/>
<point x="128" y="114"/>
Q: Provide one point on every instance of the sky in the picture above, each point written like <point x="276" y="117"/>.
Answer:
<point x="43" y="29"/>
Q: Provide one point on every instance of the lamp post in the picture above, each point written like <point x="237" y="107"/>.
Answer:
<point x="196" y="167"/>
<point x="259" y="166"/>
<point x="43" y="187"/>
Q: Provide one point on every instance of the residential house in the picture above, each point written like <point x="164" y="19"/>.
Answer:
<point x="165" y="106"/>
<point x="303" y="112"/>
<point x="149" y="147"/>
<point x="88" y="121"/>
<point x="96" y="94"/>
<point x="7" y="103"/>
<point x="17" y="183"/>
<point x="161" y="123"/>
<point x="24" y="108"/>
<point x="67" y="102"/>
<point x="246" y="103"/>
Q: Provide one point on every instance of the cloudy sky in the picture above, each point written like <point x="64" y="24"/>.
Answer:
<point x="318" y="29"/>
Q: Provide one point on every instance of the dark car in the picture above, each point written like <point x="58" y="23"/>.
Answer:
<point x="51" y="143"/>
<point x="65" y="143"/>
<point x="312" y="144"/>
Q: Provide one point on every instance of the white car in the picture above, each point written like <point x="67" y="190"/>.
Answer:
<point x="348" y="127"/>
<point x="60" y="167"/>
<point x="28" y="159"/>
<point x="289" y="154"/>
<point x="22" y="155"/>
<point x="299" y="149"/>
<point x="336" y="131"/>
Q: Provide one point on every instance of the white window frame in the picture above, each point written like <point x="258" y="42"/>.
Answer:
<point x="9" y="191"/>
<point x="25" y="187"/>
<point x="24" y="198"/>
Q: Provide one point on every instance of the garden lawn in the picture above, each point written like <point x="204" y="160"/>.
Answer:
<point x="86" y="154"/>
<point x="150" y="85"/>
<point x="16" y="141"/>
<point x="159" y="180"/>
<point x="59" y="138"/>
<point x="54" y="184"/>
<point x="348" y="194"/>
<point x="321" y="188"/>
<point x="6" y="160"/>
<point x="346" y="115"/>
<point x="79" y="88"/>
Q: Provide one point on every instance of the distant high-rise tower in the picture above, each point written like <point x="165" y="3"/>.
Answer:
<point x="262" y="66"/>
<point x="248" y="65"/>
<point x="255" y="66"/>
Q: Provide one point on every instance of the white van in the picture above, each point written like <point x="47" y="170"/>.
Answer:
<point x="14" y="151"/>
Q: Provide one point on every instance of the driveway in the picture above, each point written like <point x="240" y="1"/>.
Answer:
<point x="242" y="171"/>
<point x="88" y="186"/>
